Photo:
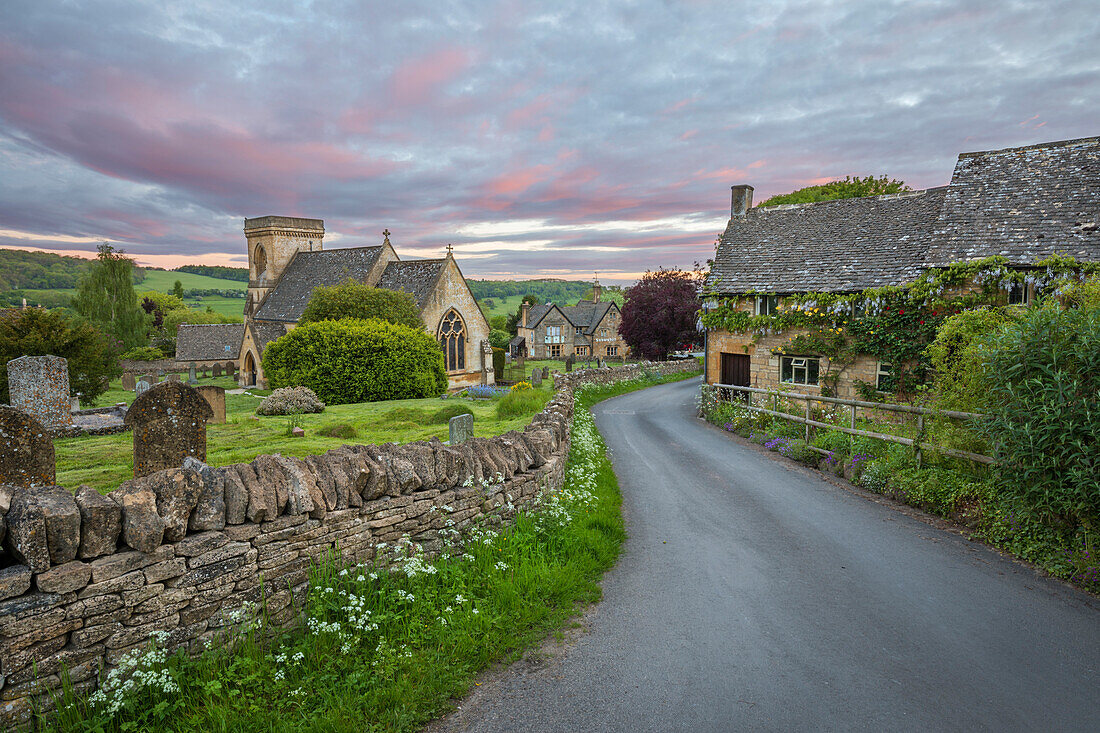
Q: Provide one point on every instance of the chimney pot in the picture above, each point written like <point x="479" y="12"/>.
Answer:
<point x="742" y="199"/>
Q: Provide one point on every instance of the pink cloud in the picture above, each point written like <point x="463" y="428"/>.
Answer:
<point x="418" y="79"/>
<point x="677" y="106"/>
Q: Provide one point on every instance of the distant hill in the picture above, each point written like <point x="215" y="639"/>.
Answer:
<point x="238" y="274"/>
<point x="502" y="297"/>
<point x="24" y="270"/>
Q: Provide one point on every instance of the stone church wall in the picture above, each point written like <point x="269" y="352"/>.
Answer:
<point x="86" y="579"/>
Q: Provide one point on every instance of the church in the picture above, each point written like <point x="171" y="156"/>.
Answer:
<point x="287" y="260"/>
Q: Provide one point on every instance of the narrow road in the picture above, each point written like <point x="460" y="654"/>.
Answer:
<point x="753" y="595"/>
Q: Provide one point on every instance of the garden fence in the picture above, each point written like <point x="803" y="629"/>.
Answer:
<point x="855" y="405"/>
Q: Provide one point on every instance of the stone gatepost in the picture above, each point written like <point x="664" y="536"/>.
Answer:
<point x="460" y="428"/>
<point x="26" y="450"/>
<point x="215" y="397"/>
<point x="39" y="386"/>
<point x="169" y="424"/>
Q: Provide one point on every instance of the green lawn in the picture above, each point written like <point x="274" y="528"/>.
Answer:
<point x="104" y="461"/>
<point x="164" y="280"/>
<point x="232" y="307"/>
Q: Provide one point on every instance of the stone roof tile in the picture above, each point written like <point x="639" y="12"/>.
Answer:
<point x="209" y="342"/>
<point x="308" y="270"/>
<point x="414" y="277"/>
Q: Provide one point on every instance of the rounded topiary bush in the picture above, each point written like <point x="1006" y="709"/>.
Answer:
<point x="290" y="401"/>
<point x="353" y="360"/>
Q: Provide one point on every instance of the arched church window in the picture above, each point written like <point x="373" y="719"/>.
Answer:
<point x="261" y="262"/>
<point x="452" y="338"/>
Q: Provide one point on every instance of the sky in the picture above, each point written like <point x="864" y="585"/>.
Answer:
<point x="542" y="139"/>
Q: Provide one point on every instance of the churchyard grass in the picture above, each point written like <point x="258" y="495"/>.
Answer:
<point x="389" y="649"/>
<point x="105" y="461"/>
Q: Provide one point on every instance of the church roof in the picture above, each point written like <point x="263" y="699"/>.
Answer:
<point x="308" y="270"/>
<point x="209" y="342"/>
<point x="264" y="332"/>
<point x="415" y="277"/>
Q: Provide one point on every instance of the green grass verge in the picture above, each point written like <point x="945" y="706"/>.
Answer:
<point x="388" y="650"/>
<point x="104" y="461"/>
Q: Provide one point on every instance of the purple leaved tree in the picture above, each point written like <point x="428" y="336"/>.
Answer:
<point x="660" y="312"/>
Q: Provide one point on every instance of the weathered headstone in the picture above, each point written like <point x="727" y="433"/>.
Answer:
<point x="460" y="428"/>
<point x="600" y="364"/>
<point x="569" y="365"/>
<point x="217" y="369"/>
<point x="128" y="382"/>
<point x="39" y="385"/>
<point x="546" y="372"/>
<point x="215" y="397"/>
<point x="230" y="369"/>
<point x="173" y="377"/>
<point x="519" y="364"/>
<point x="76" y="404"/>
<point x="192" y="377"/>
<point x="169" y="424"/>
<point x="204" y="373"/>
<point x="536" y="377"/>
<point x="141" y="387"/>
<point x="151" y="378"/>
<point x="26" y="450"/>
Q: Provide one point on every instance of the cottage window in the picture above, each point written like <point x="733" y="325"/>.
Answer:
<point x="603" y="333"/>
<point x="553" y="335"/>
<point x="452" y="339"/>
<point x="884" y="378"/>
<point x="580" y="330"/>
<point x="799" y="370"/>
<point x="767" y="305"/>
<point x="581" y="351"/>
<point x="612" y="350"/>
<point x="1019" y="294"/>
<point x="859" y="309"/>
<point x="554" y="351"/>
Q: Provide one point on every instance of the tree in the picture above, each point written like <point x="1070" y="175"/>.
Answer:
<point x="106" y="297"/>
<point x="352" y="360"/>
<point x="177" y="290"/>
<point x="849" y="188"/>
<point x="92" y="354"/>
<point x="660" y="312"/>
<point x="515" y="319"/>
<point x="352" y="299"/>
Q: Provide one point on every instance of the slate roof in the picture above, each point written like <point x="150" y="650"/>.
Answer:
<point x="287" y="300"/>
<point x="414" y="277"/>
<point x="586" y="314"/>
<point x="1023" y="203"/>
<point x="209" y="342"/>
<point x="832" y="246"/>
<point x="264" y="332"/>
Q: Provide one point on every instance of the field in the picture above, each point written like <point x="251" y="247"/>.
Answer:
<point x="105" y="461"/>
<point x="163" y="281"/>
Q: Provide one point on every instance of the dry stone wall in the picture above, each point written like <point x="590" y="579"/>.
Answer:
<point x="87" y="578"/>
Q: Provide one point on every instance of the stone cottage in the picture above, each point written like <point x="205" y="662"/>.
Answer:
<point x="589" y="329"/>
<point x="203" y="346"/>
<point x="1024" y="204"/>
<point x="286" y="261"/>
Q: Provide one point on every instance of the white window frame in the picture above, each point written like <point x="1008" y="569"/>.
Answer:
<point x="580" y="351"/>
<point x="612" y="350"/>
<point x="766" y="305"/>
<point x="884" y="369"/>
<point x="553" y="334"/>
<point x="800" y="364"/>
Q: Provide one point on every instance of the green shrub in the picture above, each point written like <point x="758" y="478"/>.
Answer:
<point x="1043" y="378"/>
<point x="833" y="440"/>
<point x="338" y="430"/>
<point x="518" y="403"/>
<point x="351" y="299"/>
<point x="874" y="476"/>
<point x="92" y="354"/>
<point x="143" y="353"/>
<point x="444" y="414"/>
<point x="352" y="360"/>
<point x="499" y="339"/>
<point x="290" y="401"/>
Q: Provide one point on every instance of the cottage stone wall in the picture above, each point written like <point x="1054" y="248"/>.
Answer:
<point x="90" y="577"/>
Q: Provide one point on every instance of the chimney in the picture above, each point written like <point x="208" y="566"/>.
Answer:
<point x="742" y="200"/>
<point x="523" y="313"/>
<point x="596" y="290"/>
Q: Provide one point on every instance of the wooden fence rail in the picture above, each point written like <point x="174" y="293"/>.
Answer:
<point x="853" y="430"/>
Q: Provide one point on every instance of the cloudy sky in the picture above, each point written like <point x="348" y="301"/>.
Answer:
<point x="541" y="138"/>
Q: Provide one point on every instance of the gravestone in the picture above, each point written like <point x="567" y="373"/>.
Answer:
<point x="173" y="377"/>
<point x="204" y="373"/>
<point x="151" y="378"/>
<point x="191" y="376"/>
<point x="39" y="386"/>
<point x="141" y="387"/>
<point x="217" y="369"/>
<point x="128" y="382"/>
<point x="546" y="372"/>
<point x="519" y="363"/>
<point x="569" y="365"/>
<point x="600" y="364"/>
<point x="536" y="377"/>
<point x="460" y="428"/>
<point x="230" y="369"/>
<point x="76" y="404"/>
<point x="215" y="397"/>
<point x="160" y="375"/>
<point x="169" y="424"/>
<point x="26" y="450"/>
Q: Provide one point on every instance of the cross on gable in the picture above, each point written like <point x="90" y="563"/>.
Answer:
<point x="386" y="234"/>
<point x="450" y="249"/>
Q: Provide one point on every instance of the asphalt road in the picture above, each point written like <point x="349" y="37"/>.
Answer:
<point x="754" y="595"/>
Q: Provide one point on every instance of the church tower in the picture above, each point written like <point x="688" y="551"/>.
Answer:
<point x="272" y="243"/>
